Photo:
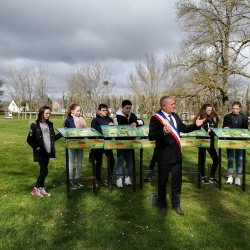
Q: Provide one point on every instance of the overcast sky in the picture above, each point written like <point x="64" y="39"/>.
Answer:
<point x="61" y="35"/>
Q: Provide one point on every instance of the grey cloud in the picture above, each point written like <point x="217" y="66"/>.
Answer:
<point x="76" y="32"/>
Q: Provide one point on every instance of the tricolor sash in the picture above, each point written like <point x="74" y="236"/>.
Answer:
<point x="160" y="116"/>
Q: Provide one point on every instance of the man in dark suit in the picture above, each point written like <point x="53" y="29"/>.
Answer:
<point x="164" y="128"/>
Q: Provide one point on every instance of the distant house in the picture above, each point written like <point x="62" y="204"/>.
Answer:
<point x="58" y="106"/>
<point x="13" y="107"/>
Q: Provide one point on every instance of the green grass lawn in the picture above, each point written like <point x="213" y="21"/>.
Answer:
<point x="214" y="219"/>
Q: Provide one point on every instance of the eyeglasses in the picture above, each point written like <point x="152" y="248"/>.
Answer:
<point x="104" y="110"/>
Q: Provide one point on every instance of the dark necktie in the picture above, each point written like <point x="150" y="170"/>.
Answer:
<point x="171" y="120"/>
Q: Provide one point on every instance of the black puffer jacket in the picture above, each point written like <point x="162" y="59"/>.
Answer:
<point x="35" y="140"/>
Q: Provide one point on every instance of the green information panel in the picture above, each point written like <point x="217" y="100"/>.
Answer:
<point x="202" y="143"/>
<point x="235" y="144"/>
<point x="188" y="142"/>
<point x="232" y="133"/>
<point x="185" y="142"/>
<point x="143" y="130"/>
<point x="145" y="143"/>
<point x="78" y="132"/>
<point x="119" y="131"/>
<point x="122" y="144"/>
<point x="86" y="143"/>
<point x="197" y="133"/>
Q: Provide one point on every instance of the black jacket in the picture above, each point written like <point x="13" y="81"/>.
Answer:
<point x="167" y="150"/>
<point x="35" y="140"/>
<point x="122" y="119"/>
<point x="235" y="121"/>
<point x="100" y="120"/>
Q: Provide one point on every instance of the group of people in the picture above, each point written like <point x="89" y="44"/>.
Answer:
<point x="164" y="128"/>
<point x="43" y="145"/>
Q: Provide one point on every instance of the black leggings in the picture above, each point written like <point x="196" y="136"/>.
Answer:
<point x="43" y="173"/>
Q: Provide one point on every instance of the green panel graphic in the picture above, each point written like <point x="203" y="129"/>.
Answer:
<point x="78" y="132"/>
<point x="120" y="131"/>
<point x="122" y="144"/>
<point x="84" y="143"/>
<point x="231" y="133"/>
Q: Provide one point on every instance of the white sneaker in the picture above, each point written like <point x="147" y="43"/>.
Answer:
<point x="237" y="181"/>
<point x="128" y="181"/>
<point x="119" y="182"/>
<point x="230" y="180"/>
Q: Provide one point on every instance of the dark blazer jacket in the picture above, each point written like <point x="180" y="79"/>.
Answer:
<point x="167" y="150"/>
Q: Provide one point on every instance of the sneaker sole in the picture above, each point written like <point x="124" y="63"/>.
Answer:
<point x="37" y="195"/>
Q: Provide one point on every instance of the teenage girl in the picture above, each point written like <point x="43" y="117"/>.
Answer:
<point x="42" y="139"/>
<point x="75" y="120"/>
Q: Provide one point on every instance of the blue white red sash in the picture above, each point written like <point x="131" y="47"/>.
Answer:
<point x="160" y="116"/>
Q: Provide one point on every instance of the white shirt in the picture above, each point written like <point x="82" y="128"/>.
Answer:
<point x="167" y="115"/>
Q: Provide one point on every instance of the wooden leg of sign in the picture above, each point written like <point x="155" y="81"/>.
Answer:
<point x="94" y="171"/>
<point x="220" y="186"/>
<point x="199" y="168"/>
<point x="67" y="173"/>
<point x="244" y="171"/>
<point x="141" y="168"/>
<point x="134" y="176"/>
<point x="109" y="175"/>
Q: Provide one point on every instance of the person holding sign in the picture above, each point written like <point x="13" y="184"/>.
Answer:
<point x="212" y="120"/>
<point x="235" y="119"/>
<point x="75" y="120"/>
<point x="164" y="128"/>
<point x="102" y="118"/>
<point x="125" y="116"/>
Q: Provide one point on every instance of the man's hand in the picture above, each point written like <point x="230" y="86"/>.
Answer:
<point x="199" y="121"/>
<point x="167" y="129"/>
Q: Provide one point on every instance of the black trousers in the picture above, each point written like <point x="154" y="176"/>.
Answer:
<point x="213" y="154"/>
<point x="98" y="157"/>
<point x="176" y="182"/>
<point x="43" y="173"/>
<point x="152" y="162"/>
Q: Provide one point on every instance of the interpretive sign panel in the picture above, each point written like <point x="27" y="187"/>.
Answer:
<point x="119" y="131"/>
<point x="84" y="143"/>
<point x="235" y="144"/>
<point x="78" y="132"/>
<point x="231" y="133"/>
<point x="122" y="144"/>
<point x="143" y="130"/>
<point x="197" y="133"/>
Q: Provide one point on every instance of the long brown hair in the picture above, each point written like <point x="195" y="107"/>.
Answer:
<point x="41" y="112"/>
<point x="202" y="112"/>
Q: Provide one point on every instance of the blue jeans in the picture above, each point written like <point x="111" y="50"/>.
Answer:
<point x="127" y="156"/>
<point x="238" y="155"/>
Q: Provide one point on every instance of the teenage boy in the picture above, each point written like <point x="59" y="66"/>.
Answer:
<point x="102" y="118"/>
<point x="125" y="116"/>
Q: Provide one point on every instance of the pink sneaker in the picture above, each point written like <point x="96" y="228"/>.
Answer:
<point x="43" y="192"/>
<point x="36" y="192"/>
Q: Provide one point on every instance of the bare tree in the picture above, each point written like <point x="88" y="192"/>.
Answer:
<point x="214" y="50"/>
<point x="1" y="85"/>
<point x="27" y="85"/>
<point x="149" y="82"/>
<point x="1" y="92"/>
<point x="90" y="85"/>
